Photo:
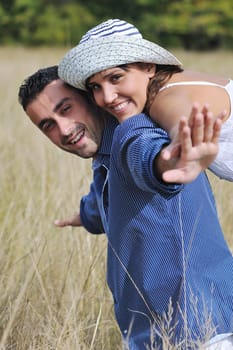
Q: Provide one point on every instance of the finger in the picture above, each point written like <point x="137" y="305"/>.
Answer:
<point x="171" y="151"/>
<point x="185" y="141"/>
<point x="180" y="175"/>
<point x="184" y="136"/>
<point x="209" y="125"/>
<point x="217" y="131"/>
<point x="171" y="176"/>
<point x="205" y="109"/>
<point x="73" y="221"/>
<point x="222" y="115"/>
<point x="61" y="223"/>
<point x="194" y="111"/>
<point x="197" y="131"/>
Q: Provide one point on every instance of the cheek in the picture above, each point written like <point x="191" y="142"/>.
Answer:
<point x="54" y="139"/>
<point x="135" y="86"/>
<point x="143" y="88"/>
<point x="54" y="136"/>
<point x="97" y="98"/>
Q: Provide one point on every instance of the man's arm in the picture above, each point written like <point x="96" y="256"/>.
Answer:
<point x="193" y="149"/>
<point x="88" y="216"/>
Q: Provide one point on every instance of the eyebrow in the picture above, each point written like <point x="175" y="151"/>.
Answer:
<point x="107" y="75"/>
<point x="103" y="75"/>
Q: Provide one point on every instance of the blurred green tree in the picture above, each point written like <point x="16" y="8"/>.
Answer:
<point x="193" y="24"/>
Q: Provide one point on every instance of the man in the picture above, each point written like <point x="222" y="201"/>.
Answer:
<point x="67" y="117"/>
<point x="70" y="121"/>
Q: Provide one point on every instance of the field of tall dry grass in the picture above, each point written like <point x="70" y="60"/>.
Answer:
<point x="53" y="289"/>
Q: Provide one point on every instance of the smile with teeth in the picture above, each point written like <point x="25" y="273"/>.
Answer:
<point x="77" y="137"/>
<point x="120" y="107"/>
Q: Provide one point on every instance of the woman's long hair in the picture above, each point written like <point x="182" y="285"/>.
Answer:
<point x="162" y="75"/>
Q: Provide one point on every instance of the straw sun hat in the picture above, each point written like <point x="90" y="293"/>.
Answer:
<point x="109" y="44"/>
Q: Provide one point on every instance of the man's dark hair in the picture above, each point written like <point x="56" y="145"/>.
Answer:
<point x="36" y="82"/>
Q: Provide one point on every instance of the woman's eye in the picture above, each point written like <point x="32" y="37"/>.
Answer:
<point x="93" y="87"/>
<point x="116" y="77"/>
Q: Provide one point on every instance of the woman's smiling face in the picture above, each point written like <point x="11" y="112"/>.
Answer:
<point x="122" y="91"/>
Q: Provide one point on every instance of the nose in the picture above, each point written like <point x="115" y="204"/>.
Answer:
<point x="65" y="126"/>
<point x="109" y="94"/>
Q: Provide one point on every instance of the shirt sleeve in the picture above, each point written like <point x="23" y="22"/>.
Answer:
<point x="89" y="213"/>
<point x="139" y="142"/>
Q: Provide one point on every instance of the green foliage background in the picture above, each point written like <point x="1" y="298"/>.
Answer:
<point x="191" y="24"/>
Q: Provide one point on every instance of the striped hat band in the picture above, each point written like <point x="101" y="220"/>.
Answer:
<point x="110" y="44"/>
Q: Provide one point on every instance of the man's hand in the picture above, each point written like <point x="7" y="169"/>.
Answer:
<point x="193" y="148"/>
<point x="73" y="221"/>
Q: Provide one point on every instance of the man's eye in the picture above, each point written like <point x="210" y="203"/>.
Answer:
<point x="47" y="126"/>
<point x="66" y="108"/>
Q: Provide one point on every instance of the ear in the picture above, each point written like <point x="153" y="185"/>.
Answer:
<point x="151" y="69"/>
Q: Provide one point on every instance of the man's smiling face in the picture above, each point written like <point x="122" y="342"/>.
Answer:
<point x="67" y="119"/>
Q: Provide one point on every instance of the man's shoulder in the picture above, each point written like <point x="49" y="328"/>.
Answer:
<point x="136" y="125"/>
<point x="106" y="142"/>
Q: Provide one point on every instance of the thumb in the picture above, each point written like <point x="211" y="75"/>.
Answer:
<point x="171" y="151"/>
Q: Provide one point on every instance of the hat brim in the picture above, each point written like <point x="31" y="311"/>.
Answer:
<point x="102" y="53"/>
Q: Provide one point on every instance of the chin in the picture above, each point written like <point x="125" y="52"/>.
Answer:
<point x="88" y="153"/>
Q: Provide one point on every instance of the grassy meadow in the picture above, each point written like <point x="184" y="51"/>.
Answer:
<point x="53" y="289"/>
